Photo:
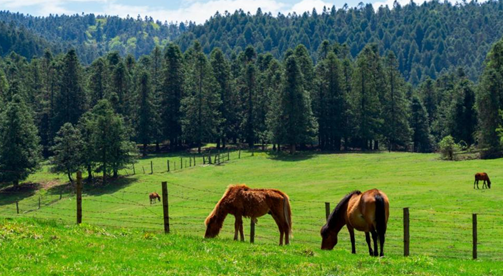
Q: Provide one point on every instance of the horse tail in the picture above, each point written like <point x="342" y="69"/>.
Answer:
<point x="287" y="212"/>
<point x="380" y="215"/>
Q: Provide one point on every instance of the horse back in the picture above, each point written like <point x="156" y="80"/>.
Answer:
<point x="481" y="176"/>
<point x="362" y="210"/>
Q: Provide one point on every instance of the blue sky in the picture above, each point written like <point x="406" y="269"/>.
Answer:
<point x="173" y="10"/>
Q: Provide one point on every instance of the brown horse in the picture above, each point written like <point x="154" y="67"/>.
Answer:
<point x="482" y="176"/>
<point x="241" y="201"/>
<point x="367" y="212"/>
<point x="153" y="196"/>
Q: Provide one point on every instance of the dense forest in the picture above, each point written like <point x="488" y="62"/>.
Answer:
<point x="92" y="36"/>
<point x="54" y="106"/>
<point x="428" y="39"/>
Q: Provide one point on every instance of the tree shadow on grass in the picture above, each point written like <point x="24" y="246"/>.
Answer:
<point x="96" y="188"/>
<point x="287" y="157"/>
<point x="11" y="195"/>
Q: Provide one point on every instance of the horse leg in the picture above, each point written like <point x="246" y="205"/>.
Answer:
<point x="381" y="241"/>
<point x="484" y="185"/>
<point x="374" y="237"/>
<point x="237" y="224"/>
<point x="367" y="238"/>
<point x="352" y="236"/>
<point x="280" y="228"/>
<point x="241" y="232"/>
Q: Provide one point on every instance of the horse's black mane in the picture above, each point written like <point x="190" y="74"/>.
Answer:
<point x="332" y="219"/>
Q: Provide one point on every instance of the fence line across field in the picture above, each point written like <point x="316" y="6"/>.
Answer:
<point x="467" y="235"/>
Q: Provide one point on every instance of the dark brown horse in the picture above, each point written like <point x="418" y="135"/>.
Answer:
<point x="153" y="196"/>
<point x="241" y="201"/>
<point x="367" y="212"/>
<point x="482" y="176"/>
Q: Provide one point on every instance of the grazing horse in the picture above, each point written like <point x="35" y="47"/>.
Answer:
<point x="153" y="196"/>
<point x="367" y="212"/>
<point x="482" y="176"/>
<point x="242" y="201"/>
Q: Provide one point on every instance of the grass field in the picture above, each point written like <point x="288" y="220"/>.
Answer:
<point x="440" y="196"/>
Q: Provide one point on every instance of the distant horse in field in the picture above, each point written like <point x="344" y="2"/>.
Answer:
<point x="242" y="201"/>
<point x="482" y="176"/>
<point x="153" y="196"/>
<point x="367" y="212"/>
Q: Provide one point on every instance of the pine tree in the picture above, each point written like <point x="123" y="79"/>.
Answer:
<point x="200" y="105"/>
<point x="488" y="106"/>
<point x="109" y="139"/>
<point x="97" y="82"/>
<point x="396" y="125"/>
<point x="296" y="118"/>
<point x="172" y="94"/>
<point x="489" y="103"/>
<point x="70" y="102"/>
<point x="68" y="149"/>
<point x="145" y="130"/>
<point x="19" y="142"/>
<point x="419" y="124"/>
<point x="463" y="121"/>
<point x="227" y="108"/>
<point x="330" y="103"/>
<point x="365" y="97"/>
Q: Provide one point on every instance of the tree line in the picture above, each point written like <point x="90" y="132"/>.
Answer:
<point x="428" y="40"/>
<point x="90" y="117"/>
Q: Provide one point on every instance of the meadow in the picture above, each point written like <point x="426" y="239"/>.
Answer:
<point x="119" y="220"/>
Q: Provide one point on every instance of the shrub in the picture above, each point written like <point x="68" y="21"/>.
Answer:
<point x="448" y="148"/>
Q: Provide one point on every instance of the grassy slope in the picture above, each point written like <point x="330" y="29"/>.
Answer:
<point x="440" y="195"/>
<point x="37" y="247"/>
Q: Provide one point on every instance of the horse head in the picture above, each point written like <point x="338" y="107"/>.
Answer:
<point x="212" y="227"/>
<point x="329" y="238"/>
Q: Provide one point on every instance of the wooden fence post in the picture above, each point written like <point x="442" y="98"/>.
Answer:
<point x="17" y="206"/>
<point x="406" y="233"/>
<point x="143" y="169"/>
<point x="134" y="171"/>
<point x="190" y="162"/>
<point x="194" y="161"/>
<point x="474" y="218"/>
<point x="39" y="198"/>
<point x="228" y="155"/>
<point x="252" y="231"/>
<point x="79" y="197"/>
<point x="151" y="167"/>
<point x="185" y="163"/>
<point x="204" y="160"/>
<point x="209" y="157"/>
<point x="181" y="162"/>
<point x="165" y="207"/>
<point x="239" y="153"/>
<point x="168" y="165"/>
<point x="327" y="210"/>
<point x="60" y="194"/>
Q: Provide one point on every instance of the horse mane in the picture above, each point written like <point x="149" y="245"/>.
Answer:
<point x="226" y="193"/>
<point x="332" y="219"/>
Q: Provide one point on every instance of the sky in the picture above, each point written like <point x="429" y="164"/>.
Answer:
<point x="175" y="10"/>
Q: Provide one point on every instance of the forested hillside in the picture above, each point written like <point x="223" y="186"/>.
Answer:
<point x="21" y="41"/>
<point x="93" y="36"/>
<point x="427" y="39"/>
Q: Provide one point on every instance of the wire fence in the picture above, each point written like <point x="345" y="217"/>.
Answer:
<point x="440" y="234"/>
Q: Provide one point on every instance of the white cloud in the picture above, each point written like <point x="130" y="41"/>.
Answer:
<point x="308" y="5"/>
<point x="195" y="11"/>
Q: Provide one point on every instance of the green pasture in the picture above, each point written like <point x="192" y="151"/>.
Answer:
<point x="439" y="194"/>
